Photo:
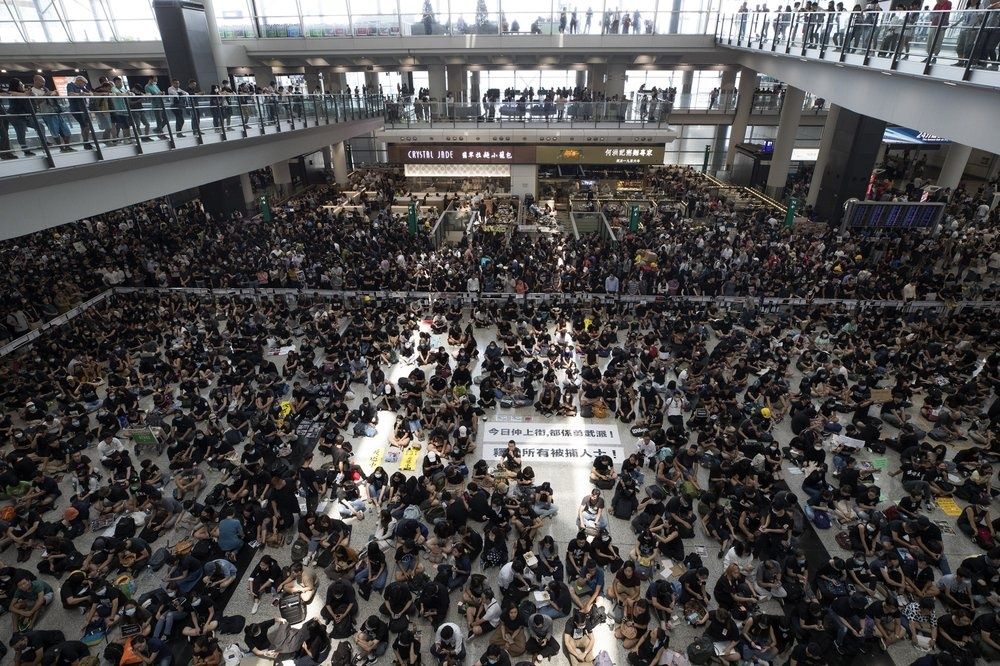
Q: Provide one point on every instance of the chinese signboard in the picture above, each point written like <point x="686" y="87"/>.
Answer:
<point x="461" y="154"/>
<point x="599" y="154"/>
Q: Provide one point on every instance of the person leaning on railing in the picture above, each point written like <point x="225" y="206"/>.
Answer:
<point x="51" y="112"/>
<point x="78" y="90"/>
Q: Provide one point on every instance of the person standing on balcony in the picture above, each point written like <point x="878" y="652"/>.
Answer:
<point x="51" y="112"/>
<point x="177" y="105"/>
<point x="940" y="19"/>
<point x="588" y="17"/>
<point x="636" y="22"/>
<point x="742" y="11"/>
<point x="78" y="90"/>
<point x="763" y="22"/>
<point x="574" y="24"/>
<point x="153" y="89"/>
<point x="562" y="21"/>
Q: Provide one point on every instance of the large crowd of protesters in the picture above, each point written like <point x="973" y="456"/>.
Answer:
<point x="259" y="408"/>
<point x="711" y="250"/>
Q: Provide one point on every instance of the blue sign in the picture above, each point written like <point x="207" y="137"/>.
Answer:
<point x="912" y="137"/>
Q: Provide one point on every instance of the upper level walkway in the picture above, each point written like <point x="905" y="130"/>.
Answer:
<point x="62" y="161"/>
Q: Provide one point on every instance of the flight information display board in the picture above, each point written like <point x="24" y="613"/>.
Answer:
<point x="892" y="215"/>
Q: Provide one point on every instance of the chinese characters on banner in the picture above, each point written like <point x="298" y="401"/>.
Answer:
<point x="546" y="453"/>
<point x="555" y="442"/>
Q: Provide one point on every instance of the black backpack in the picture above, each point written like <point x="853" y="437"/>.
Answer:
<point x="125" y="528"/>
<point x="343" y="655"/>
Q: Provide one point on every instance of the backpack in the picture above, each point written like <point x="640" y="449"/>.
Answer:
<point x="701" y="650"/>
<point x="232" y="624"/>
<point x="693" y="561"/>
<point x="603" y="659"/>
<point x="343" y="655"/>
<point x="300" y="549"/>
<point x="125" y="528"/>
<point x="233" y="655"/>
<point x="158" y="558"/>
<point x="821" y="519"/>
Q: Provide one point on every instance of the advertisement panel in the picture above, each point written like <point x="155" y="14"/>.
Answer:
<point x="625" y="154"/>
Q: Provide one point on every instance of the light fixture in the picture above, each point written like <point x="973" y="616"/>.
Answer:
<point x="3" y="71"/>
<point x="77" y="70"/>
<point x="39" y="71"/>
<point x="949" y="83"/>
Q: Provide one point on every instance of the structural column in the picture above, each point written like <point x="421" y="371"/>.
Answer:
<point x="744" y="104"/>
<point x="616" y="81"/>
<point x="437" y="82"/>
<point x="728" y="88"/>
<point x="338" y="158"/>
<point x="247" y="187"/>
<point x="475" y="94"/>
<point x="581" y="78"/>
<point x="847" y="152"/>
<point x="282" y="175"/>
<point x="262" y="75"/>
<point x="823" y="157"/>
<point x="190" y="42"/>
<point x="457" y="82"/>
<point x="596" y="78"/>
<point x="687" y="81"/>
<point x="954" y="165"/>
<point x="788" y="128"/>
<point x="312" y="79"/>
<point x="371" y="82"/>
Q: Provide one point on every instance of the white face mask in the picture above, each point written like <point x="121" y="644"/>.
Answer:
<point x="129" y="612"/>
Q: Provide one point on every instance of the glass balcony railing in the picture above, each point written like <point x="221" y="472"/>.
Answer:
<point x="51" y="131"/>
<point x="514" y="24"/>
<point x="642" y="110"/>
<point x="947" y="44"/>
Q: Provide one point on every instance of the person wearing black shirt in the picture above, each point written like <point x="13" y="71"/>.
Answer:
<point x="372" y="639"/>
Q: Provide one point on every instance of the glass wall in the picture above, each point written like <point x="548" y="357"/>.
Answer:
<point x="702" y="84"/>
<point x="522" y="79"/>
<point x="125" y="20"/>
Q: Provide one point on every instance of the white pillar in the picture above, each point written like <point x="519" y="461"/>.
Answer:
<point x="338" y="155"/>
<point x="281" y="173"/>
<point x="247" y="187"/>
<point x="788" y="127"/>
<point x="954" y="165"/>
<point x="744" y="103"/>
<point x="616" y="80"/>
<point x="825" y="146"/>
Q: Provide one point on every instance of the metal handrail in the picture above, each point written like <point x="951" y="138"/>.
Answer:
<point x="969" y="39"/>
<point x="116" y="126"/>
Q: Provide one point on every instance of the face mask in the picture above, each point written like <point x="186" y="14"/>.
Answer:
<point x="129" y="612"/>
<point x="102" y="591"/>
<point x="171" y="594"/>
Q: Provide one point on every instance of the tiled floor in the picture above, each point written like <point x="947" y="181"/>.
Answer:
<point x="570" y="483"/>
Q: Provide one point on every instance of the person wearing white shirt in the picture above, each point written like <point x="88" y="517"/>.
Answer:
<point x="472" y="284"/>
<point x="108" y="446"/>
<point x="449" y="644"/>
<point x="611" y="284"/>
<point x="177" y="104"/>
<point x="646" y="447"/>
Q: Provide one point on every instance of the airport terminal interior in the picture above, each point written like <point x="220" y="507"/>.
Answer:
<point x="493" y="333"/>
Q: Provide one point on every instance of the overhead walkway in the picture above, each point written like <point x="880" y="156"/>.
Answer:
<point x="50" y="180"/>
<point x="936" y="71"/>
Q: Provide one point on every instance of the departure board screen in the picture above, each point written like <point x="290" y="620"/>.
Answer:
<point x="893" y="215"/>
